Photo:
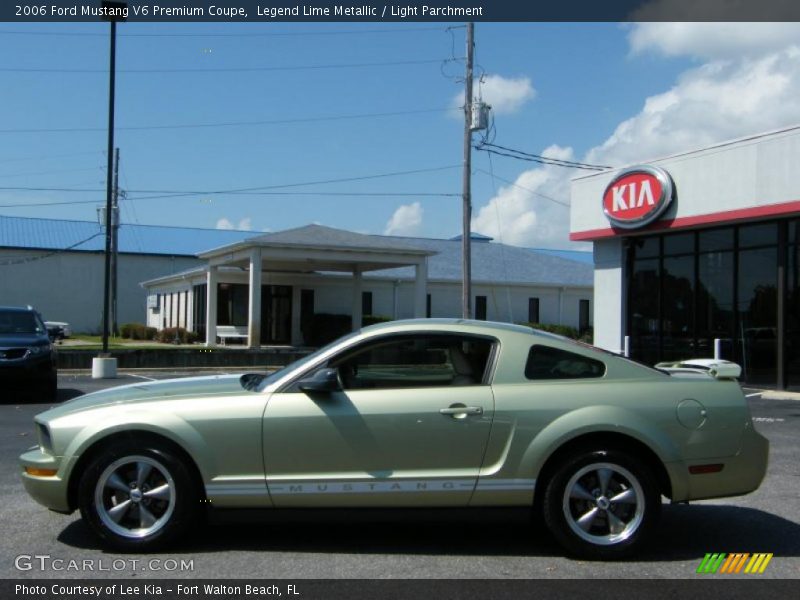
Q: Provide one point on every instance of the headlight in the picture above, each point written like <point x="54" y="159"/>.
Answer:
<point x="40" y="349"/>
<point x="45" y="441"/>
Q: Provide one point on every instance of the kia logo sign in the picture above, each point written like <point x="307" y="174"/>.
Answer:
<point x="637" y="196"/>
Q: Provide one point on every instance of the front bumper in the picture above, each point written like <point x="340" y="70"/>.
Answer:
<point x="31" y="369"/>
<point x="47" y="491"/>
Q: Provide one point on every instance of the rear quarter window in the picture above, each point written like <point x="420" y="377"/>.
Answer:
<point x="546" y="363"/>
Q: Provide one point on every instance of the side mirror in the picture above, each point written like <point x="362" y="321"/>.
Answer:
<point x="323" y="381"/>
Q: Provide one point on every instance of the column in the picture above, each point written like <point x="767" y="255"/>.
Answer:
<point x="356" y="298"/>
<point x="254" y="306"/>
<point x="420" y="288"/>
<point x="212" y="277"/>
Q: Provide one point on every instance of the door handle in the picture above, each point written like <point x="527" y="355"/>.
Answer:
<point x="462" y="410"/>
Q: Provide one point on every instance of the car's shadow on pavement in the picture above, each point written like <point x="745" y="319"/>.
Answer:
<point x="684" y="533"/>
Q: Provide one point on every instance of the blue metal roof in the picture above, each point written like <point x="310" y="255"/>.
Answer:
<point x="491" y="261"/>
<point x="577" y="255"/>
<point x="55" y="234"/>
<point x="497" y="263"/>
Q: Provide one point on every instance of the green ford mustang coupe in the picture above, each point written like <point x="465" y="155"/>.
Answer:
<point x="419" y="413"/>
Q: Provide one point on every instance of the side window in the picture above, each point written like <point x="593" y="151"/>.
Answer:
<point x="414" y="361"/>
<point x="546" y="363"/>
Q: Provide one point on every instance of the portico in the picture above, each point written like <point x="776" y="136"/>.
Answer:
<point x="310" y="249"/>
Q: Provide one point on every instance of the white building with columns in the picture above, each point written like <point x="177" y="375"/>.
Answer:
<point x="263" y="290"/>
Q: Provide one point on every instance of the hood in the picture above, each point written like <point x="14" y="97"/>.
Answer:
<point x="152" y="391"/>
<point x="16" y="340"/>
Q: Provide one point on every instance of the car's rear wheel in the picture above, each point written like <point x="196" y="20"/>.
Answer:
<point x="138" y="497"/>
<point x="601" y="504"/>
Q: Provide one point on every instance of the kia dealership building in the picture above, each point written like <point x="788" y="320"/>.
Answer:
<point x="699" y="252"/>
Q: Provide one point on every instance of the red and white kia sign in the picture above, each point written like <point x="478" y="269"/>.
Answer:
<point x="638" y="196"/>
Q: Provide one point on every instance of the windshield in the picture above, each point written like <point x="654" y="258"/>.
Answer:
<point x="305" y="360"/>
<point x="13" y="322"/>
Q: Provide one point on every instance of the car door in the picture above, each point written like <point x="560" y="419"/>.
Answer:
<point x="407" y="427"/>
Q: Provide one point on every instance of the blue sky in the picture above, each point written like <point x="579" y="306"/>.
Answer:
<point x="601" y="92"/>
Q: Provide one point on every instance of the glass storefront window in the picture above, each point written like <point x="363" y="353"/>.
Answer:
<point x="715" y="239"/>
<point x="715" y="316"/>
<point x="677" y="283"/>
<point x="682" y="243"/>
<point x="706" y="285"/>
<point x="764" y="234"/>
<point x="645" y="247"/>
<point x="643" y="323"/>
<point x="756" y="344"/>
<point x="793" y="315"/>
<point x="794" y="232"/>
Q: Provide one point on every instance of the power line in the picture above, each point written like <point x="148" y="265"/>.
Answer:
<point x="254" y="191"/>
<point x="47" y="157"/>
<point x="28" y="173"/>
<point x="522" y="187"/>
<point x="235" y="123"/>
<point x="230" y="35"/>
<point x="29" y="259"/>
<point x="537" y="158"/>
<point x="233" y="69"/>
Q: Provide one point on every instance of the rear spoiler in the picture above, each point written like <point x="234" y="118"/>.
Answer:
<point x="702" y="367"/>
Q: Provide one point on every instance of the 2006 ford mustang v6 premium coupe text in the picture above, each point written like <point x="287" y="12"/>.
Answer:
<point x="418" y="413"/>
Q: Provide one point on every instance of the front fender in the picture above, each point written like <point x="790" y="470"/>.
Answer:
<point x="166" y="425"/>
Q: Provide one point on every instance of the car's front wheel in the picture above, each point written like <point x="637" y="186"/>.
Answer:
<point x="601" y="504"/>
<point x="138" y="497"/>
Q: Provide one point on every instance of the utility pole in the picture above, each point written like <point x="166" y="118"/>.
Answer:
<point x="115" y="244"/>
<point x="109" y="183"/>
<point x="466" y="237"/>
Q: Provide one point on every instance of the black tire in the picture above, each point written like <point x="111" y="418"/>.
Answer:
<point x="161" y="496"/>
<point x="601" y="504"/>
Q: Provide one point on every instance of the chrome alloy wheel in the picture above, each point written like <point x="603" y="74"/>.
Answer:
<point x="604" y="503"/>
<point x="135" y="496"/>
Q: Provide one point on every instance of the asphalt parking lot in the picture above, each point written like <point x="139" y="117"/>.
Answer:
<point x="430" y="545"/>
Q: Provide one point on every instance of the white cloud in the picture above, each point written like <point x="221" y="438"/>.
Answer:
<point x="506" y="95"/>
<point x="406" y="220"/>
<point x="712" y="40"/>
<point x="244" y="224"/>
<point x="721" y="99"/>
<point x="717" y="101"/>
<point x="525" y="214"/>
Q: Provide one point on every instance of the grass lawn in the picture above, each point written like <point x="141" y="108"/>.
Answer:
<point x="95" y="342"/>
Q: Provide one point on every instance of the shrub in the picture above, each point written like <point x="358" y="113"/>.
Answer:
<point x="137" y="331"/>
<point x="172" y="335"/>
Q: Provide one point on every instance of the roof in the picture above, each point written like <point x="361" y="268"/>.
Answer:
<point x="581" y="256"/>
<point x="56" y="234"/>
<point x="491" y="261"/>
<point x="499" y="263"/>
<point x="320" y="236"/>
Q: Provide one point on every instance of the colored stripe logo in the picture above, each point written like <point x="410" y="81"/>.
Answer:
<point x="735" y="563"/>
